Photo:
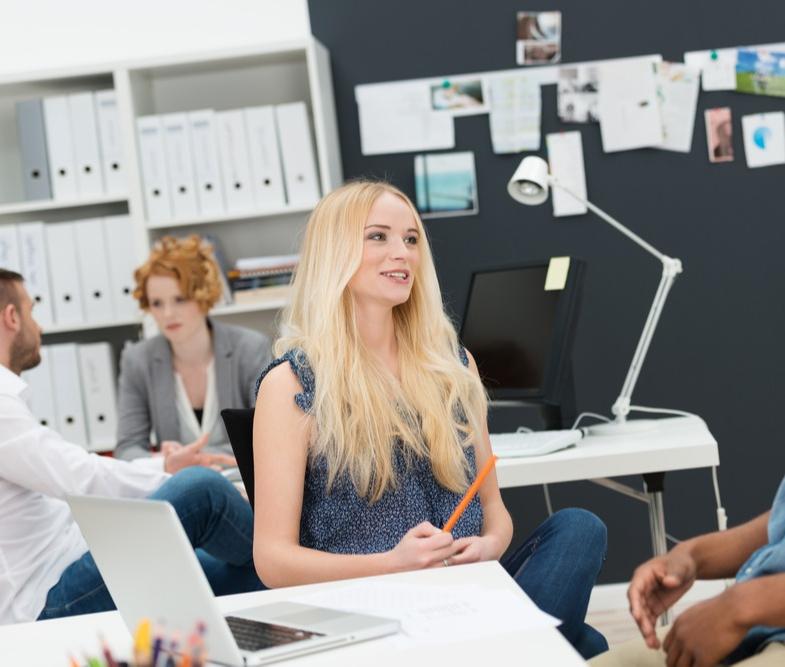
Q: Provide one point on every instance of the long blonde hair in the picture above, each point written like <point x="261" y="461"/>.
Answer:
<point x="359" y="408"/>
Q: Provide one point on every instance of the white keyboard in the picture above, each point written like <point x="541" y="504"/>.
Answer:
<point x="511" y="445"/>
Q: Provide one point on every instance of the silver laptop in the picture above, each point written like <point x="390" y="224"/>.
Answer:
<point x="152" y="572"/>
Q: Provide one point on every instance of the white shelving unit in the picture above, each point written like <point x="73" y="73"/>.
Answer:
<point x="267" y="74"/>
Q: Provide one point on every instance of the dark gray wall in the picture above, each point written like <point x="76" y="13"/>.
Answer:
<point x="718" y="350"/>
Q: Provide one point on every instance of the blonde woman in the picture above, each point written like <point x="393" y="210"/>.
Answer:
<point x="371" y="423"/>
<point x="175" y="384"/>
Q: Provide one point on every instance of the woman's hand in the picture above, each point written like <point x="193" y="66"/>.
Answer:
<point x="475" y="549"/>
<point x="423" y="546"/>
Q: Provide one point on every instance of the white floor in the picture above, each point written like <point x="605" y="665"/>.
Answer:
<point x="608" y="609"/>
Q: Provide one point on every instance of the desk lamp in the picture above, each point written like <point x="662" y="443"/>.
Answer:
<point x="529" y="185"/>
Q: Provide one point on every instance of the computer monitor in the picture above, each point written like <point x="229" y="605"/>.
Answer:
<point x="520" y="334"/>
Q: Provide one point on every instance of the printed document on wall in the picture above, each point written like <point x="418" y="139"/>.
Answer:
<point x="677" y="92"/>
<point x="718" y="68"/>
<point x="764" y="138"/>
<point x="516" y="105"/>
<point x="398" y="118"/>
<point x="565" y="156"/>
<point x="627" y="105"/>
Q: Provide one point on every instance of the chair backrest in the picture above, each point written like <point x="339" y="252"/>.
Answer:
<point x="239" y="427"/>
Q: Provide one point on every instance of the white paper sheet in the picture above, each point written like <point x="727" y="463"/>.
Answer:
<point x="718" y="69"/>
<point x="677" y="93"/>
<point x="437" y="614"/>
<point x="764" y="139"/>
<point x="397" y="118"/>
<point x="577" y="94"/>
<point x="627" y="104"/>
<point x="565" y="157"/>
<point x="516" y="105"/>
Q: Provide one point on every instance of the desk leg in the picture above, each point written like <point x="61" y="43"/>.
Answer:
<point x="655" y="485"/>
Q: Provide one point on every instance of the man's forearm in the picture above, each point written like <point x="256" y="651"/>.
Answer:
<point x="760" y="601"/>
<point x="720" y="555"/>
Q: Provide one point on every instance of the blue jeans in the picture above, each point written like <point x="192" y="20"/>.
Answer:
<point x="219" y="524"/>
<point x="557" y="567"/>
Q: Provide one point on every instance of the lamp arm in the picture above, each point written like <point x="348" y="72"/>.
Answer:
<point x="621" y="407"/>
<point x="611" y="221"/>
<point x="671" y="268"/>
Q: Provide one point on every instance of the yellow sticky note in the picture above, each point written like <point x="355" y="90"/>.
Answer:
<point x="558" y="268"/>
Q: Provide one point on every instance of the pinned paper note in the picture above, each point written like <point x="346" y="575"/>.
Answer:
<point x="677" y="94"/>
<point x="539" y="38"/>
<point x="719" y="134"/>
<point x="516" y="104"/>
<point x="565" y="157"/>
<point x="398" y="118"/>
<point x="764" y="138"/>
<point x="760" y="72"/>
<point x="628" y="108"/>
<point x="460" y="97"/>
<point x="556" y="278"/>
<point x="577" y="94"/>
<point x="718" y="68"/>
<point x="445" y="184"/>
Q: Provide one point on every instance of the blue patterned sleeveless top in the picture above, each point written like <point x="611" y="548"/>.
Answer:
<point x="343" y="522"/>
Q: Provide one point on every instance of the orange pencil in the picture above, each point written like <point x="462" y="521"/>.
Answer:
<point x="470" y="493"/>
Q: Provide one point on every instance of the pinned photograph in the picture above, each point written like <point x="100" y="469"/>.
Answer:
<point x="719" y="134"/>
<point x="760" y="72"/>
<point x="445" y="184"/>
<point x="459" y="97"/>
<point x="538" y="38"/>
<point x="577" y="94"/>
<point x="764" y="138"/>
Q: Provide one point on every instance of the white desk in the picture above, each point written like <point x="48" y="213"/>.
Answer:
<point x="677" y="443"/>
<point x="48" y="643"/>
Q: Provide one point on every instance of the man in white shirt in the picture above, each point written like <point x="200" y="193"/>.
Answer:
<point x="46" y="570"/>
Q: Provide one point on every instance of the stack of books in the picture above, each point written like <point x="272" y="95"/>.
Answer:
<point x="255" y="279"/>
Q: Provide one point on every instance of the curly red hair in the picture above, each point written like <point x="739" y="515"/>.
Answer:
<point x="190" y="262"/>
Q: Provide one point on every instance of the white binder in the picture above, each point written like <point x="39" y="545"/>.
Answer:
<point x="84" y="130"/>
<point x="179" y="165"/>
<point x="10" y="258"/>
<point x="268" y="190"/>
<point x="110" y="142"/>
<point x="119" y="240"/>
<point x="42" y="398"/>
<point x="35" y="269"/>
<point x="94" y="270"/>
<point x="60" y="146"/>
<point x="68" y="393"/>
<point x="96" y="370"/>
<point x="151" y="156"/>
<point x="64" y="272"/>
<point x="235" y="163"/>
<point x="299" y="165"/>
<point x="207" y="169"/>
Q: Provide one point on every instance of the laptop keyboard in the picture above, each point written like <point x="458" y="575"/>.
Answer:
<point x="257" y="635"/>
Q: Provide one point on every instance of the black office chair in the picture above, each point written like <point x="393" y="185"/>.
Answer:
<point x="239" y="428"/>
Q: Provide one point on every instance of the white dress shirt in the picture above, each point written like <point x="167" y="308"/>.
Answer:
<point x="39" y="538"/>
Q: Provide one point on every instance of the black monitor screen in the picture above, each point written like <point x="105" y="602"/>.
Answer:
<point x="508" y="327"/>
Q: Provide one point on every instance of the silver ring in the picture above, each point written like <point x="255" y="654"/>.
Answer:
<point x="446" y="563"/>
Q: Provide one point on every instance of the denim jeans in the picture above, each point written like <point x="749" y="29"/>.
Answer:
<point x="219" y="524"/>
<point x="557" y="567"/>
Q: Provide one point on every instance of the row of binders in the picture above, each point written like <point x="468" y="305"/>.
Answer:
<point x="73" y="392"/>
<point x="211" y="163"/>
<point x="71" y="146"/>
<point x="76" y="272"/>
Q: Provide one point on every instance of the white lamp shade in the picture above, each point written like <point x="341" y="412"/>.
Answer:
<point x="529" y="183"/>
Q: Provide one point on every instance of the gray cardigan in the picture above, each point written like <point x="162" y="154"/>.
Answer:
<point x="147" y="387"/>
